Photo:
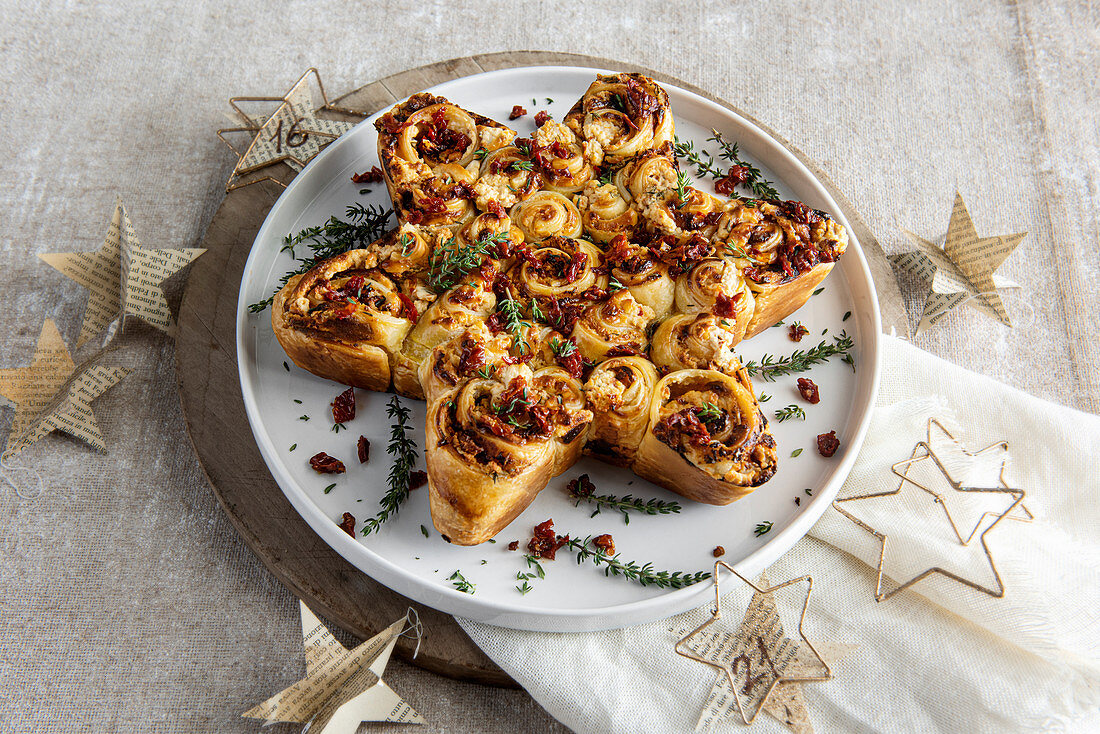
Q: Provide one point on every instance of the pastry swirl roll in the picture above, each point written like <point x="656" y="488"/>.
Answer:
<point x="707" y="438"/>
<point x="491" y="446"/>
<point x="473" y="352"/>
<point x="560" y="158"/>
<point x="717" y="286"/>
<point x="620" y="116"/>
<point x="695" y="341"/>
<point x="495" y="231"/>
<point x="635" y="268"/>
<point x="787" y="249"/>
<point x="652" y="180"/>
<point x="468" y="303"/>
<point x="507" y="176"/>
<point x="619" y="392"/>
<point x="536" y="344"/>
<point x="438" y="134"/>
<point x="408" y="250"/>
<point x="546" y="214"/>
<point x="343" y="320"/>
<point x="605" y="213"/>
<point x="700" y="214"/>
<point x="612" y="328"/>
<point x="568" y="441"/>
<point x="559" y="267"/>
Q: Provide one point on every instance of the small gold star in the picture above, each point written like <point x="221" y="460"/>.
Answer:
<point x="758" y="659"/>
<point x="292" y="134"/>
<point x="962" y="270"/>
<point x="922" y="452"/>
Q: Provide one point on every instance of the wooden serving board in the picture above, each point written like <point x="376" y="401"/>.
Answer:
<point x="213" y="408"/>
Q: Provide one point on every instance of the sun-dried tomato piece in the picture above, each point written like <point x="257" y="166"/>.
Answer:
<point x="541" y="118"/>
<point x="718" y="551"/>
<point x="808" y="390"/>
<point x="573" y="269"/>
<point x="374" y="175"/>
<point x="545" y="542"/>
<point x="514" y="545"/>
<point x="827" y="444"/>
<point x="362" y="448"/>
<point x="343" y="407"/>
<point x="726" y="306"/>
<point x="736" y="176"/>
<point x="408" y="307"/>
<point x="417" y="479"/>
<point x="347" y="524"/>
<point x="517" y="112"/>
<point x="580" y="487"/>
<point x="685" y="423"/>
<point x="322" y="463"/>
<point x="605" y="543"/>
<point x="796" y="331"/>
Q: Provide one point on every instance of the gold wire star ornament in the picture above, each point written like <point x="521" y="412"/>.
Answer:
<point x="922" y="452"/>
<point x="292" y="134"/>
<point x="123" y="278"/>
<point x="758" y="658"/>
<point x="53" y="394"/>
<point x="343" y="687"/>
<point x="962" y="271"/>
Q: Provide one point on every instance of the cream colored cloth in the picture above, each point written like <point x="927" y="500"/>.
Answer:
<point x="937" y="657"/>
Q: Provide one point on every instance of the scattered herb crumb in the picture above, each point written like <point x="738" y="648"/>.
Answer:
<point x="847" y="315"/>
<point x="303" y="417"/>
<point x="763" y="528"/>
<point x="460" y="583"/>
<point x="424" y="531"/>
<point x="791" y="411"/>
<point x="299" y="402"/>
<point x="809" y="492"/>
<point x="286" y="366"/>
<point x="329" y="488"/>
<point x="819" y="290"/>
<point x="795" y="453"/>
<point x="293" y="446"/>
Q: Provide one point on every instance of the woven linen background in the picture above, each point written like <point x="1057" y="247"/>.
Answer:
<point x="128" y="602"/>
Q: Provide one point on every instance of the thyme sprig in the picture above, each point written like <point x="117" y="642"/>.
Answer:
<point x="703" y="167"/>
<point x="791" y="411"/>
<point x="404" y="450"/>
<point x="770" y="367"/>
<point x="762" y="528"/>
<point x="645" y="574"/>
<point x="683" y="183"/>
<point x="512" y="313"/>
<point x="627" y="504"/>
<point x="364" y="225"/>
<point x="451" y="263"/>
<point x="761" y="187"/>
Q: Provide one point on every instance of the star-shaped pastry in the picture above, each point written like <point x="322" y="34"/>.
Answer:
<point x="761" y="666"/>
<point x="957" y="467"/>
<point x="342" y="687"/>
<point x="292" y="134"/>
<point x="961" y="270"/>
<point x="53" y="395"/>
<point x="123" y="278"/>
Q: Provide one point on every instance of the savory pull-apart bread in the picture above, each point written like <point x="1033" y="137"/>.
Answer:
<point x="496" y="436"/>
<point x="560" y="294"/>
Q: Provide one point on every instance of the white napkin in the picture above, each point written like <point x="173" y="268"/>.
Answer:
<point x="937" y="657"/>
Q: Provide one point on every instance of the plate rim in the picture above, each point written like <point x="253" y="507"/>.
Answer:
<point x="519" y="616"/>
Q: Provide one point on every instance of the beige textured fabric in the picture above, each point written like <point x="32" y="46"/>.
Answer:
<point x="128" y="601"/>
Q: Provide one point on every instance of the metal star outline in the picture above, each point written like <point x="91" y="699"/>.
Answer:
<point x="922" y="452"/>
<point x="962" y="271"/>
<point x="292" y="134"/>
<point x="726" y="667"/>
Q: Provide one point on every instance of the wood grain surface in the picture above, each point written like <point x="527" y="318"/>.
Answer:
<point x="214" y="408"/>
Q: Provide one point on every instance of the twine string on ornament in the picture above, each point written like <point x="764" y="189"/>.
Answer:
<point x="415" y="629"/>
<point x="6" y="466"/>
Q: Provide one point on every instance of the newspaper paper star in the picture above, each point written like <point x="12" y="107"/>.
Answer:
<point x="918" y="535"/>
<point x="962" y="270"/>
<point x="761" y="666"/>
<point x="342" y="687"/>
<point x="293" y="133"/>
<point x="123" y="278"/>
<point x="53" y="395"/>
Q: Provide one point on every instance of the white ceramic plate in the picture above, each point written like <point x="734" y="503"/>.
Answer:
<point x="572" y="597"/>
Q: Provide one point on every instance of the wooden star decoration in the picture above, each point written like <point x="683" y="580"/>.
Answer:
<point x="54" y="395"/>
<point x="342" y="687"/>
<point x="123" y="278"/>
<point x="292" y="134"/>
<point x="948" y="462"/>
<point x="962" y="270"/>
<point x="760" y="665"/>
